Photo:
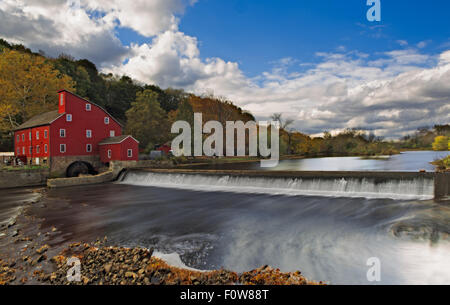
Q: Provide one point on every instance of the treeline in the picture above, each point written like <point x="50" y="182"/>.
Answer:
<point x="346" y="143"/>
<point x="436" y="138"/>
<point x="29" y="81"/>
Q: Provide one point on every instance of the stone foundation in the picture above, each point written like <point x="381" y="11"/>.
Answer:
<point x="59" y="165"/>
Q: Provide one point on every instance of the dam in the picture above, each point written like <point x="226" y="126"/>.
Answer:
<point x="393" y="185"/>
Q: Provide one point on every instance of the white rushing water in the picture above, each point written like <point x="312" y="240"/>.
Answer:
<point x="419" y="188"/>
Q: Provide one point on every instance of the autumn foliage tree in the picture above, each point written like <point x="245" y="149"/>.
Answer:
<point x="27" y="87"/>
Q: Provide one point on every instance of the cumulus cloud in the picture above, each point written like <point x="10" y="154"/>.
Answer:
<point x="391" y="93"/>
<point x="85" y="28"/>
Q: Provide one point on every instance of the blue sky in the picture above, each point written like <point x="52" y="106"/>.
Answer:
<point x="320" y="63"/>
<point x="255" y="33"/>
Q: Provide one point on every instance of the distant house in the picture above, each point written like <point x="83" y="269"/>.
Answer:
<point x="165" y="148"/>
<point x="78" y="132"/>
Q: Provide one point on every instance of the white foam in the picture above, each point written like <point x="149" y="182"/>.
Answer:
<point x="174" y="260"/>
<point x="422" y="189"/>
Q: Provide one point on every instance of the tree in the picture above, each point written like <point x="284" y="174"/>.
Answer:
<point x="28" y="86"/>
<point x="284" y="127"/>
<point x="441" y="143"/>
<point x="147" y="121"/>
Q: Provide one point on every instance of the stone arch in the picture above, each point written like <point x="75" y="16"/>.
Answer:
<point x="80" y="168"/>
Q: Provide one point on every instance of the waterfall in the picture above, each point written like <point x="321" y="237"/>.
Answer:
<point x="417" y="188"/>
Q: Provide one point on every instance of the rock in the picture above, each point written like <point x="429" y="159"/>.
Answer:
<point x="11" y="223"/>
<point x="107" y="268"/>
<point x="53" y="276"/>
<point x="41" y="258"/>
<point x="154" y="281"/>
<point x="130" y="274"/>
<point x="42" y="249"/>
<point x="15" y="233"/>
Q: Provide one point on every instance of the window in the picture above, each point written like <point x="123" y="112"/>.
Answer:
<point x="29" y="135"/>
<point x="89" y="147"/>
<point x="23" y="150"/>
<point x="61" y="99"/>
<point x="109" y="153"/>
<point x="106" y="120"/>
<point x="130" y="153"/>
<point x="45" y="134"/>
<point x="37" y="135"/>
<point x="18" y="150"/>
<point x="30" y="149"/>
<point x="69" y="118"/>
<point x="62" y="148"/>
<point x="88" y="107"/>
<point x="62" y="133"/>
<point x="23" y="137"/>
<point x="88" y="133"/>
<point x="18" y="139"/>
<point x="38" y="149"/>
<point x="45" y="148"/>
<point x="112" y="133"/>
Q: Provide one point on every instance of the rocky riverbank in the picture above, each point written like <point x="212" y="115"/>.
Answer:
<point x="27" y="258"/>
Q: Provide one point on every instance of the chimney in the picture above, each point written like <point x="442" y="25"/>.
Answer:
<point x="62" y="101"/>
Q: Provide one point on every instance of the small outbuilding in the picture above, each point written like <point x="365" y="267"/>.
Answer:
<point x="121" y="148"/>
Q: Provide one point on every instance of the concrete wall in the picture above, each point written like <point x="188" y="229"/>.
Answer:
<point x="117" y="166"/>
<point x="21" y="178"/>
<point x="442" y="186"/>
<point x="82" y="180"/>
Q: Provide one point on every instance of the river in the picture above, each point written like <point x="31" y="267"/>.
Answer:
<point x="208" y="226"/>
<point x="409" y="161"/>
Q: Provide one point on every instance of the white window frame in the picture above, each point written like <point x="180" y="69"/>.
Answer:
<point x="106" y="120"/>
<point x="88" y="107"/>
<point x="45" y="148"/>
<point x="37" y="135"/>
<point x="61" y="99"/>
<point x="30" y="150"/>
<point x="23" y="137"/>
<point x="69" y="117"/>
<point x="89" y="148"/>
<point x="45" y="134"/>
<point x="61" y="150"/>
<point x="88" y="133"/>
<point x="109" y="153"/>
<point x="23" y="150"/>
<point x="62" y="131"/>
<point x="38" y="149"/>
<point x="18" y="150"/>
<point x="29" y="136"/>
<point x="130" y="153"/>
<point x="112" y="133"/>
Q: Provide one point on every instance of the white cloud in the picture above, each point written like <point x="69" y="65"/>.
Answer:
<point x="391" y="93"/>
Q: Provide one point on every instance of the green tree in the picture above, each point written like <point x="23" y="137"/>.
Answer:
<point x="147" y="121"/>
<point x="441" y="143"/>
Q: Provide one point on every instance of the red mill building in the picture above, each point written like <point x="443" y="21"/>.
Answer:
<point x="78" y="137"/>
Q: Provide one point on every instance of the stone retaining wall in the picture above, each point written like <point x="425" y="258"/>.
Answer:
<point x="82" y="180"/>
<point x="21" y="178"/>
